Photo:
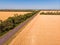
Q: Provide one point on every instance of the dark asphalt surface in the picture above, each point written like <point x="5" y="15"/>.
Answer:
<point x="11" y="33"/>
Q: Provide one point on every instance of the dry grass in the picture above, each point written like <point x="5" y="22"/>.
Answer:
<point x="5" y="15"/>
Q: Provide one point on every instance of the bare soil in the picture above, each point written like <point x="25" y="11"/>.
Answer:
<point x="42" y="30"/>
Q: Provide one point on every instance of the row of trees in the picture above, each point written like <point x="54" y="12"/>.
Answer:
<point x="12" y="22"/>
<point x="16" y="10"/>
<point x="51" y="13"/>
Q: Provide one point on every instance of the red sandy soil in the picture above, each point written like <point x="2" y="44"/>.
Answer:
<point x="42" y="30"/>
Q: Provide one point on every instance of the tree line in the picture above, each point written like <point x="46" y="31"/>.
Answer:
<point x="12" y="22"/>
<point x="50" y="13"/>
<point x="16" y="10"/>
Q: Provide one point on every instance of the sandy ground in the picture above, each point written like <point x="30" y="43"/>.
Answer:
<point x="42" y="30"/>
<point x="5" y="15"/>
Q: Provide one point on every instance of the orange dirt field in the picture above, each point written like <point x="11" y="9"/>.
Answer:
<point x="42" y="30"/>
<point x="5" y="15"/>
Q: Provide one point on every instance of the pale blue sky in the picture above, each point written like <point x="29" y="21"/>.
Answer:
<point x="29" y="4"/>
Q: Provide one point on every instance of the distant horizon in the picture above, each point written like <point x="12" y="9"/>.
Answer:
<point x="29" y="4"/>
<point x="29" y="9"/>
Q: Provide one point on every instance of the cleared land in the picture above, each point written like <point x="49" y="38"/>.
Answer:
<point x="4" y="15"/>
<point x="42" y="30"/>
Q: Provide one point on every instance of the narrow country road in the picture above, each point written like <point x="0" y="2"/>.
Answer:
<point x="11" y="33"/>
<point x="42" y="30"/>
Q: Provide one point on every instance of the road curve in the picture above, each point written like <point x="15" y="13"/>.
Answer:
<point x="42" y="30"/>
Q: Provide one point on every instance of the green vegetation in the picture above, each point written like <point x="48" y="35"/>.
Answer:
<point x="50" y="13"/>
<point x="12" y="22"/>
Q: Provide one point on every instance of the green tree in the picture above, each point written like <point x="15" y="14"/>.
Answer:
<point x="1" y="26"/>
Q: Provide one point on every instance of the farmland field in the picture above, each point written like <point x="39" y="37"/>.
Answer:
<point x="42" y="30"/>
<point x="4" y="15"/>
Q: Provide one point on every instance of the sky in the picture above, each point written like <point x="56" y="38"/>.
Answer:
<point x="29" y="4"/>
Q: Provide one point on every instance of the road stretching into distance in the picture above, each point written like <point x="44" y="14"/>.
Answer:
<point x="41" y="30"/>
<point x="11" y="33"/>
